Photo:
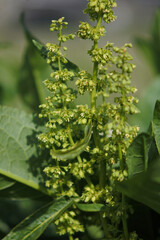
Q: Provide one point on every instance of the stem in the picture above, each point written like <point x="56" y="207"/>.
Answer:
<point x="124" y="220"/>
<point x="102" y="164"/>
<point x="70" y="237"/>
<point x="104" y="225"/>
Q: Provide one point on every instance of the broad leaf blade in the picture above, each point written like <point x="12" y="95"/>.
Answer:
<point x="144" y="187"/>
<point x="5" y="182"/>
<point x="76" y="149"/>
<point x="34" y="225"/>
<point x="137" y="154"/>
<point x="20" y="159"/>
<point x="156" y="125"/>
<point x="69" y="65"/>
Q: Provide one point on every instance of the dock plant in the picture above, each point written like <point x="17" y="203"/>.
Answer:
<point x="93" y="175"/>
<point x="88" y="143"/>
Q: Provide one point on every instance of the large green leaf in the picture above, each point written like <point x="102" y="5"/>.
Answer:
<point x="144" y="187"/>
<point x="137" y="154"/>
<point x="76" y="149"/>
<point x="20" y="159"/>
<point x="34" y="225"/>
<point x="5" y="182"/>
<point x="44" y="51"/>
<point x="156" y="125"/>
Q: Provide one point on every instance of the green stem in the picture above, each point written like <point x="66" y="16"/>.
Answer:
<point x="102" y="173"/>
<point x="124" y="219"/>
<point x="104" y="225"/>
<point x="102" y="164"/>
<point x="70" y="237"/>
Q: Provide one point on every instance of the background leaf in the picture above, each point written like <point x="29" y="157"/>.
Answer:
<point x="137" y="154"/>
<point x="20" y="159"/>
<point x="35" y="224"/>
<point x="151" y="47"/>
<point x="18" y="191"/>
<point x="44" y="51"/>
<point x="144" y="187"/>
<point x="146" y="105"/>
<point x="33" y="72"/>
<point x="156" y="125"/>
<point x="5" y="182"/>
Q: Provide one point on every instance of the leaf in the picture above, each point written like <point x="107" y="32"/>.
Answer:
<point x="151" y="47"/>
<point x="145" y="46"/>
<point x="156" y="125"/>
<point x="44" y="51"/>
<point x="146" y="105"/>
<point x="35" y="224"/>
<point x="76" y="149"/>
<point x="18" y="191"/>
<point x="33" y="72"/>
<point x="93" y="207"/>
<point x="144" y="187"/>
<point x="95" y="232"/>
<point x="155" y="33"/>
<point x="5" y="182"/>
<point x="20" y="159"/>
<point x="137" y="154"/>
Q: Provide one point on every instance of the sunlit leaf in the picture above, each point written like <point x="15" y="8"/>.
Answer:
<point x="20" y="158"/>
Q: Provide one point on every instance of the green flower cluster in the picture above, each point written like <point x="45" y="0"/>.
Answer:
<point x="89" y="175"/>
<point x="101" y="7"/>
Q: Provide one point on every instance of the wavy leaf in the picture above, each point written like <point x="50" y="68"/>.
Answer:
<point x="35" y="224"/>
<point x="76" y="149"/>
